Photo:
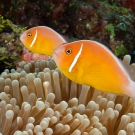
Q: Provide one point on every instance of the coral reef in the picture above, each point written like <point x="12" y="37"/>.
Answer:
<point x="128" y="3"/>
<point x="5" y="6"/>
<point x="109" y="22"/>
<point x="10" y="50"/>
<point x="38" y="99"/>
<point x="8" y="26"/>
<point x="10" y="45"/>
<point x="30" y="56"/>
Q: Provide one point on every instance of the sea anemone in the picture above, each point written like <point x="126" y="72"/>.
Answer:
<point x="38" y="99"/>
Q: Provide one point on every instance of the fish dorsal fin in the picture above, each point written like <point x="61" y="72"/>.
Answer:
<point x="66" y="38"/>
<point x="63" y="43"/>
<point x="124" y="65"/>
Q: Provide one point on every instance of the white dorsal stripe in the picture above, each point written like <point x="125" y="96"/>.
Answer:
<point x="76" y="59"/>
<point x="33" y="41"/>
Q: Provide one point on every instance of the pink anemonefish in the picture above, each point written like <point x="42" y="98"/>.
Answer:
<point x="91" y="63"/>
<point x="41" y="39"/>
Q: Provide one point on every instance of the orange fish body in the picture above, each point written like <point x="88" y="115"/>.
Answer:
<point x="41" y="39"/>
<point x="91" y="63"/>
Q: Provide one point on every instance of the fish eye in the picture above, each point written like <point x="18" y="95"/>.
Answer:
<point x="68" y="51"/>
<point x="29" y="35"/>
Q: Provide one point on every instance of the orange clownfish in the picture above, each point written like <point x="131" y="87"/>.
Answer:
<point x="41" y="39"/>
<point x="91" y="63"/>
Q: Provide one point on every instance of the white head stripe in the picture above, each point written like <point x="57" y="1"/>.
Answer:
<point x="76" y="59"/>
<point x="35" y="37"/>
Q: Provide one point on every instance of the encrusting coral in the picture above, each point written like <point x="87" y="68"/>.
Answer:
<point x="31" y="56"/>
<point x="10" y="45"/>
<point x="38" y="99"/>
